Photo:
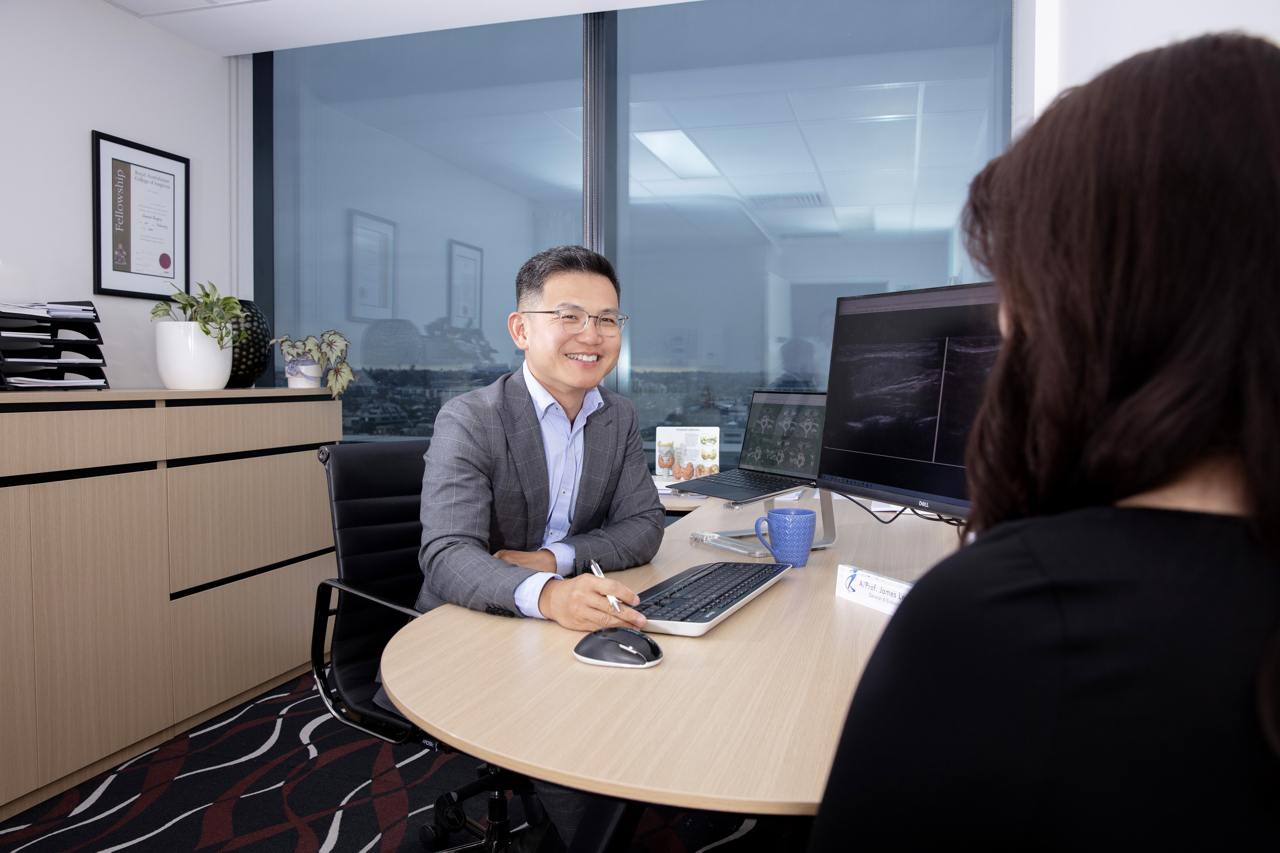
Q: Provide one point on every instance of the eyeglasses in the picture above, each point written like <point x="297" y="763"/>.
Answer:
<point x="608" y="323"/>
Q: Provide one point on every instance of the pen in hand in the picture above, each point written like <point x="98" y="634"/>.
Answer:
<point x="595" y="570"/>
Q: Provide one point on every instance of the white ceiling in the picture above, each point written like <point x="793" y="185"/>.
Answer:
<point x="235" y="27"/>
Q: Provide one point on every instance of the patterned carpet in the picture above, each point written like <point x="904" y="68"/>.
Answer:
<point x="280" y="774"/>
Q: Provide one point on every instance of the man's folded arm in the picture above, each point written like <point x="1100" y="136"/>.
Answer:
<point x="633" y="528"/>
<point x="457" y="495"/>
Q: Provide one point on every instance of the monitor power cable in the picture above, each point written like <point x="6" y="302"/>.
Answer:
<point x="872" y="512"/>
<point x="942" y="519"/>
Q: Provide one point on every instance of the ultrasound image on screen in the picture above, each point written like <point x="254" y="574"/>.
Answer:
<point x="890" y="397"/>
<point x="913" y="400"/>
<point x="908" y="373"/>
<point x="969" y="363"/>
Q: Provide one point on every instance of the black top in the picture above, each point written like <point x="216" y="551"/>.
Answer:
<point x="1082" y="681"/>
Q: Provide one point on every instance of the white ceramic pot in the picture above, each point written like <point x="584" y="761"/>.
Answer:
<point x="189" y="360"/>
<point x="303" y="373"/>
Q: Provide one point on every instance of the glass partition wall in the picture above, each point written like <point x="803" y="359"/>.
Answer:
<point x="413" y="176"/>
<point x="767" y="158"/>
<point x="779" y="156"/>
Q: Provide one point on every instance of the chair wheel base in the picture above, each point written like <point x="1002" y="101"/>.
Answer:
<point x="432" y="837"/>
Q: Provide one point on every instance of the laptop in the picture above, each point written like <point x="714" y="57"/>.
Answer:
<point x="780" y="448"/>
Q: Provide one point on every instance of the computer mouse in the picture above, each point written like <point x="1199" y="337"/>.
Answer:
<point x="625" y="647"/>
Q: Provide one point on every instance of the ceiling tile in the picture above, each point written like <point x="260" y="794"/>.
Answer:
<point x="753" y="185"/>
<point x="855" y="218"/>
<point x="943" y="185"/>
<point x="799" y="223"/>
<point x="951" y="139"/>
<point x="893" y="217"/>
<point x="691" y="187"/>
<point x="848" y="146"/>
<point x="570" y="120"/>
<point x="652" y="115"/>
<point x="556" y="161"/>
<point x="948" y="96"/>
<point x="156" y="7"/>
<point x="889" y="186"/>
<point x="935" y="216"/>
<point x="722" y="221"/>
<point x="732" y="111"/>
<point x="771" y="150"/>
<point x="855" y="102"/>
<point x="489" y="165"/>
<point x="644" y="165"/>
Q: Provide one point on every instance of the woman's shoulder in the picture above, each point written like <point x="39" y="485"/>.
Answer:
<point x="1091" y="548"/>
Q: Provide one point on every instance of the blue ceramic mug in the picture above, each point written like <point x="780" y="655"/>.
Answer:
<point x="790" y="534"/>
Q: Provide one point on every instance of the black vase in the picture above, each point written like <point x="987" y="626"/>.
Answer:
<point x="250" y="357"/>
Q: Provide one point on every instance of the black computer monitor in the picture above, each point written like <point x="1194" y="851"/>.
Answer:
<point x="908" y="371"/>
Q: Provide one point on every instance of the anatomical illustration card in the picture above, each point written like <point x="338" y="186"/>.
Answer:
<point x="688" y="452"/>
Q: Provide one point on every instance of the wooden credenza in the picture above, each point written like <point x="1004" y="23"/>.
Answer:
<point x="159" y="553"/>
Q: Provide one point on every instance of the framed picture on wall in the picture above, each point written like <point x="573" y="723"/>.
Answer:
<point x="141" y="216"/>
<point x="466" y="269"/>
<point x="373" y="267"/>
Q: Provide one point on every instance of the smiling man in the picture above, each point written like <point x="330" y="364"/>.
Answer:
<point x="530" y="479"/>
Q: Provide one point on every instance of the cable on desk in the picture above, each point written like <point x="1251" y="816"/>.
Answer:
<point x="953" y="522"/>
<point x="871" y="511"/>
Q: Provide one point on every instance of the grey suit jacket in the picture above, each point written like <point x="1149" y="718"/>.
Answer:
<point x="485" y="489"/>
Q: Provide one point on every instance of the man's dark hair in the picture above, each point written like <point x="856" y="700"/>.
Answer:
<point x="535" y="272"/>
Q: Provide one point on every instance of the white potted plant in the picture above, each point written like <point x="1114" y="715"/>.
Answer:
<point x="193" y="353"/>
<point x="310" y="361"/>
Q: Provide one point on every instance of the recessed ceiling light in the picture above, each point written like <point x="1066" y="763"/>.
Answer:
<point x="678" y="153"/>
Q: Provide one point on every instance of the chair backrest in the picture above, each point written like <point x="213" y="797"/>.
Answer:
<point x="375" y="490"/>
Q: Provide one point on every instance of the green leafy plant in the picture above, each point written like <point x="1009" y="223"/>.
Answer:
<point x="212" y="311"/>
<point x="329" y="351"/>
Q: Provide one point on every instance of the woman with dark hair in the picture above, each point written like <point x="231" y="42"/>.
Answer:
<point x="1097" y="670"/>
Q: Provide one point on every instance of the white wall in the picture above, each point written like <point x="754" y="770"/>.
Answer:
<point x="1064" y="43"/>
<point x="68" y="67"/>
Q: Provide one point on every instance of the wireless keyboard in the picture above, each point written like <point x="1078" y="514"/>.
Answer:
<point x="696" y="600"/>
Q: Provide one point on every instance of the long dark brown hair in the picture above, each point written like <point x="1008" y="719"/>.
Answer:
<point x="1134" y="235"/>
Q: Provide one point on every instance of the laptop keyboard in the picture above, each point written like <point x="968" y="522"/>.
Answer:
<point x="756" y="480"/>
<point x="704" y="592"/>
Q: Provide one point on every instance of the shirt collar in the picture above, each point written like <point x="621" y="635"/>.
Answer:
<point x="543" y="402"/>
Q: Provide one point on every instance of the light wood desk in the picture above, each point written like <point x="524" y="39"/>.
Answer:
<point x="744" y="719"/>
<point x="680" y="503"/>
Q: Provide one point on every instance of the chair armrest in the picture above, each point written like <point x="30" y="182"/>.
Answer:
<point x="327" y="694"/>
<point x="323" y="612"/>
<point x="337" y="584"/>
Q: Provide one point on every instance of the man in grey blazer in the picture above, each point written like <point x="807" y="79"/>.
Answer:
<point x="531" y="478"/>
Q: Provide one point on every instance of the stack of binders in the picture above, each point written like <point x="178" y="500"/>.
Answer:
<point x="49" y="346"/>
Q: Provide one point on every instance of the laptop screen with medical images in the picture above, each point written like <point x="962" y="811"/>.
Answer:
<point x="784" y="433"/>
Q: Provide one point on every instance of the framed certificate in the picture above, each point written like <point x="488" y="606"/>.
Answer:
<point x="466" y="266"/>
<point x="140" y="219"/>
<point x="373" y="268"/>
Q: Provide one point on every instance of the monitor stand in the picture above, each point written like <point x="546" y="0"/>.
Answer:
<point x="828" y="520"/>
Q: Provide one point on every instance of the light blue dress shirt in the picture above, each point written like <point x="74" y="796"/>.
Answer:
<point x="563" y="444"/>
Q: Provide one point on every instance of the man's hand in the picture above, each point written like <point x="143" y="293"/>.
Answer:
<point x="539" y="561"/>
<point x="580" y="603"/>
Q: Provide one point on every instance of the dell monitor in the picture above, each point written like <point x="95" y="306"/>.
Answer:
<point x="908" y="372"/>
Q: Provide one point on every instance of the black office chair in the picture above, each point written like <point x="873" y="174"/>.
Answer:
<point x="374" y="495"/>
